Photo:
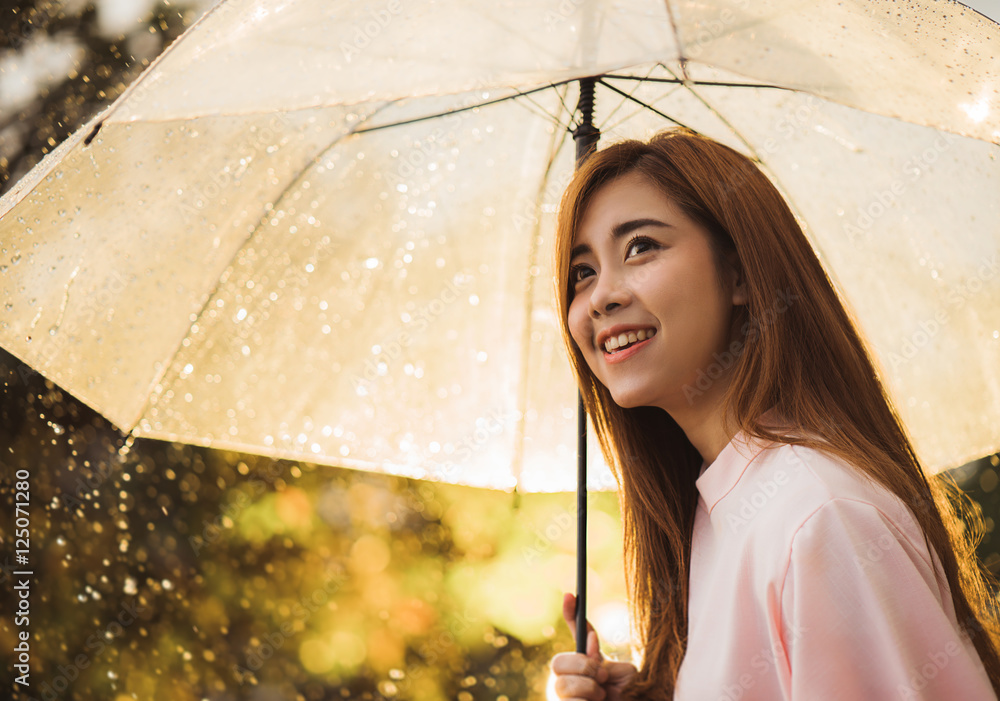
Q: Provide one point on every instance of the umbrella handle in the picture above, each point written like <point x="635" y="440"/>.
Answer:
<point x="581" y="529"/>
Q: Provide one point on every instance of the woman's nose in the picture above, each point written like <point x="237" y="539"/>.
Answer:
<point x="609" y="293"/>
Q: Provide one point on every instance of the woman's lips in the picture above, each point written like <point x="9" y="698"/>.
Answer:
<point x="623" y="355"/>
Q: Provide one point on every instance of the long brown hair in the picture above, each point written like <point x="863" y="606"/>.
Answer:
<point x="808" y="363"/>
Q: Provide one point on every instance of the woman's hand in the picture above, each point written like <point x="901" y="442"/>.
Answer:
<point x="589" y="676"/>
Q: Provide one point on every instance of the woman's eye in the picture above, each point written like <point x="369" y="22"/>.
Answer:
<point x="638" y="245"/>
<point x="579" y="272"/>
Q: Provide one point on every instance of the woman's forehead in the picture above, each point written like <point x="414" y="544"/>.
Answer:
<point x="621" y="201"/>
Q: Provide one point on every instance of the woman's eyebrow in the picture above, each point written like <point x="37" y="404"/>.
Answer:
<point x="619" y="231"/>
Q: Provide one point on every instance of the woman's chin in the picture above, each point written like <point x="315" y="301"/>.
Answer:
<point x="630" y="399"/>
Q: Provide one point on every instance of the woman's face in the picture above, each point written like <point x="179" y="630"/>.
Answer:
<point x="642" y="272"/>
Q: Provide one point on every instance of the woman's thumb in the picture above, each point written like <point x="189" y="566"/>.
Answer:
<point x="569" y="612"/>
<point x="593" y="646"/>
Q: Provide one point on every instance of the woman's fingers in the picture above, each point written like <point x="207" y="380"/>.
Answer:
<point x="573" y="663"/>
<point x="579" y="676"/>
<point x="579" y="688"/>
<point x="569" y="613"/>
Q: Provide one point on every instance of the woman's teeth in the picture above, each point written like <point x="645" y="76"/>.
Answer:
<point x="623" y="340"/>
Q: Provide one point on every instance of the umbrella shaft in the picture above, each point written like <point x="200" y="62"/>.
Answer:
<point x="586" y="136"/>
<point x="581" y="528"/>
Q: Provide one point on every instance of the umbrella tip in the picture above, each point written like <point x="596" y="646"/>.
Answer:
<point x="93" y="133"/>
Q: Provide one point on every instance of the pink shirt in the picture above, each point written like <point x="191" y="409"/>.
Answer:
<point x="808" y="584"/>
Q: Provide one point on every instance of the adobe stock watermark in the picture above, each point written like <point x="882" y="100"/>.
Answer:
<point x="752" y="504"/>
<point x="213" y="529"/>
<point x="785" y="126"/>
<point x="761" y="663"/>
<point x="545" y="538"/>
<point x="883" y="200"/>
<point x="872" y="551"/>
<point x="101" y="471"/>
<point x="920" y="676"/>
<point x="492" y="424"/>
<point x="431" y="651"/>
<point x="391" y="349"/>
<point x="95" y="645"/>
<point x="422" y="152"/>
<point x="956" y="297"/>
<point x="365" y="31"/>
<point x="265" y="139"/>
<point x="102" y="300"/>
<point x="709" y="31"/>
<point x="530" y="215"/>
<point x="722" y="362"/>
<point x="564" y="10"/>
<point x="258" y="654"/>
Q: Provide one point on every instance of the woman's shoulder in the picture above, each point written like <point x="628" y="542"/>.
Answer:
<point x="813" y="479"/>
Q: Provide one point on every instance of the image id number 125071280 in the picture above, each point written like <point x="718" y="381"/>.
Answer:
<point x="22" y="577"/>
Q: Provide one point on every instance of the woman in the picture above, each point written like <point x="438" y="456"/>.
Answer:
<point x="782" y="541"/>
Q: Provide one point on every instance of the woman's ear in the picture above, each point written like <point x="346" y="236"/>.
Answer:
<point x="740" y="295"/>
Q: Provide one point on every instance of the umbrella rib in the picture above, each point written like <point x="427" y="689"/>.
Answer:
<point x="545" y="115"/>
<point x="710" y="83"/>
<point x="211" y="295"/>
<point x="723" y="119"/>
<point x="562" y="101"/>
<point x="638" y="84"/>
<point x="487" y="103"/>
<point x="559" y="140"/>
<point x="677" y="38"/>
<point x="648" y="107"/>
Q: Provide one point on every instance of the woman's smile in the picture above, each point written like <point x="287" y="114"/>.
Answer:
<point x="647" y="307"/>
<point x="622" y="345"/>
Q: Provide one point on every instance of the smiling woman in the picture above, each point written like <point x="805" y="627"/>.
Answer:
<point x="780" y="532"/>
<point x="641" y="266"/>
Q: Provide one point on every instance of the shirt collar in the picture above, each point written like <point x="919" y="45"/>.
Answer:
<point x="719" y="478"/>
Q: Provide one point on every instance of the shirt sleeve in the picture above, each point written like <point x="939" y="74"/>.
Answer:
<point x="864" y="618"/>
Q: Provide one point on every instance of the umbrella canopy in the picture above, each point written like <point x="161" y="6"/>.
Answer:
<point x="320" y="231"/>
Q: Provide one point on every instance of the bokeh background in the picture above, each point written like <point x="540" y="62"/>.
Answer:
<point x="166" y="571"/>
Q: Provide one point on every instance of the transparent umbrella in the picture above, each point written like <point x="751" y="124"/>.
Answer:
<point x="320" y="231"/>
